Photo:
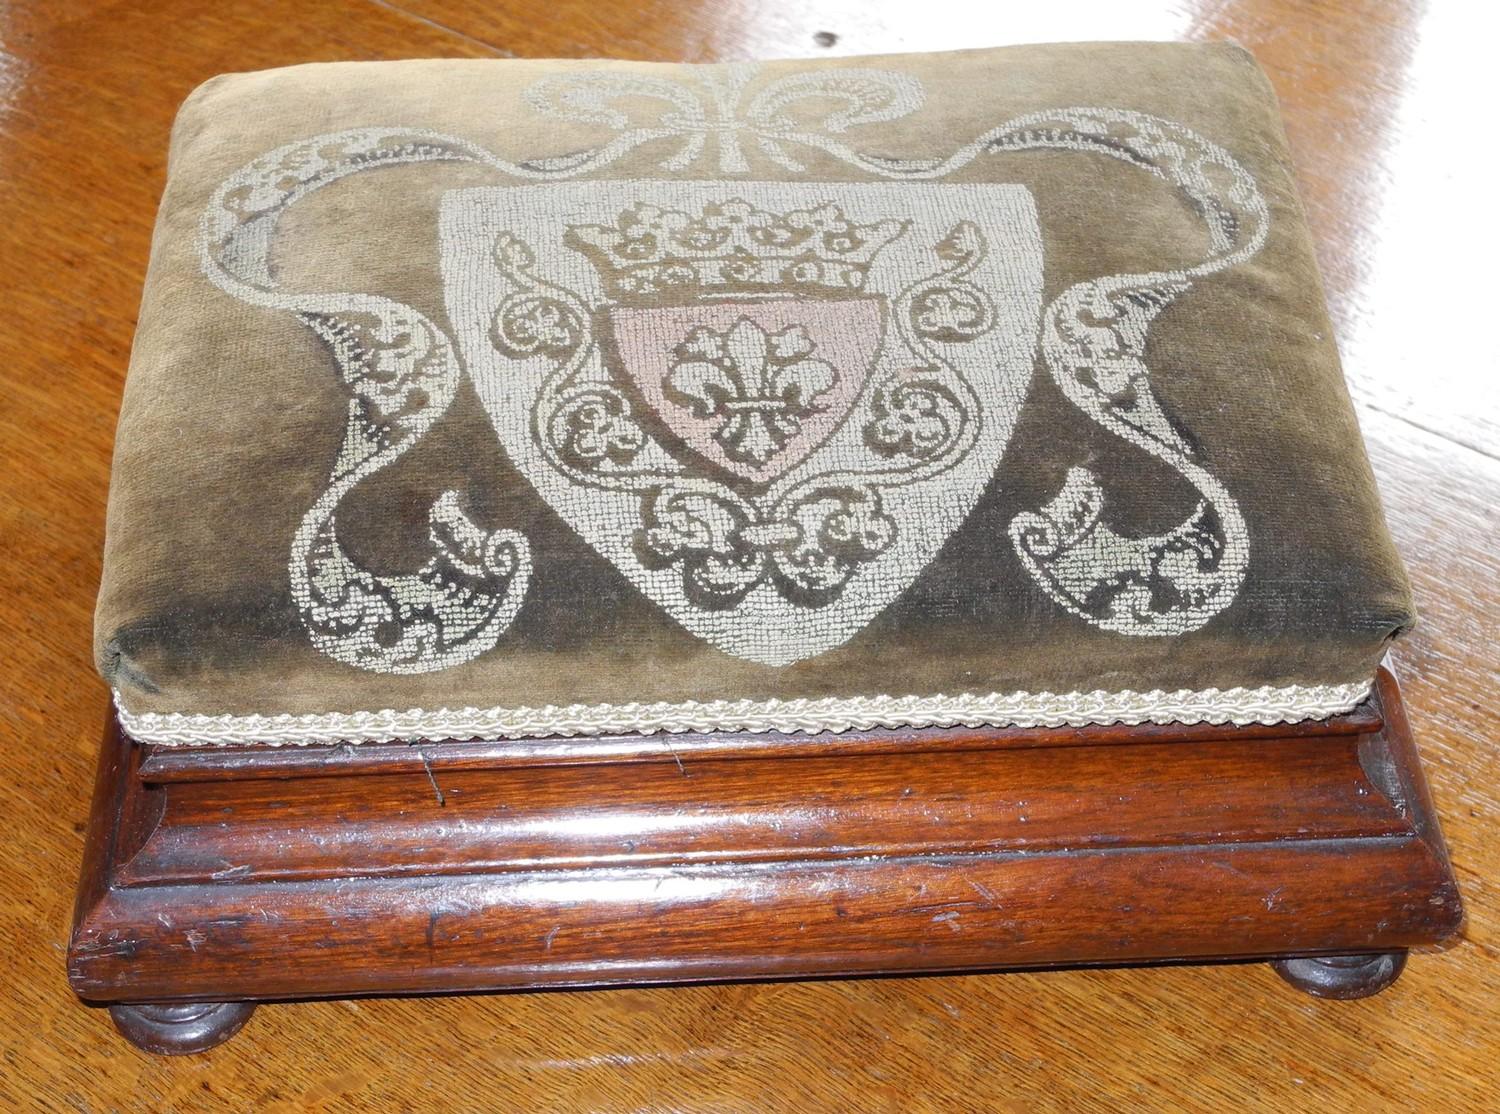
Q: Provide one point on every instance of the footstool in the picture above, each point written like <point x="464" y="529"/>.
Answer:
<point x="585" y="523"/>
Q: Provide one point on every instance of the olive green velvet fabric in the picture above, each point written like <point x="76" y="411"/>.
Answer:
<point x="239" y="393"/>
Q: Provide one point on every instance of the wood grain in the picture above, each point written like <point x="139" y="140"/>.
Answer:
<point x="374" y="877"/>
<point x="1379" y="113"/>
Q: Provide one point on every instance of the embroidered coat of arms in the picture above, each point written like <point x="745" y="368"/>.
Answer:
<point x="768" y="404"/>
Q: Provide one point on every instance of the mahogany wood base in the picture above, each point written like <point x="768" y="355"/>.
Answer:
<point x="217" y="878"/>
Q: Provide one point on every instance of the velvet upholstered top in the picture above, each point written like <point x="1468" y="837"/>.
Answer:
<point x="535" y="398"/>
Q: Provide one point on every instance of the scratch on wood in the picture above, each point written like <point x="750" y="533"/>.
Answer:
<point x="427" y="766"/>
<point x="666" y="742"/>
<point x="124" y="949"/>
<point x="983" y="891"/>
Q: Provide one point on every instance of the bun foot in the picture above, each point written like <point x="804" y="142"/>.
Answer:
<point x="180" y="1028"/>
<point x="1342" y="976"/>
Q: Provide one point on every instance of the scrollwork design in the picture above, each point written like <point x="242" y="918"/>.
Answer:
<point x="717" y="106"/>
<point x="916" y="418"/>
<point x="952" y="313"/>
<point x="808" y="546"/>
<point x="595" y="425"/>
<point x="401" y="372"/>
<point x="529" y="325"/>
<point x="930" y="415"/>
<point x="1094" y="341"/>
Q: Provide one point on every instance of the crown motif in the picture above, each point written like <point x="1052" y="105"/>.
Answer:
<point x="732" y="247"/>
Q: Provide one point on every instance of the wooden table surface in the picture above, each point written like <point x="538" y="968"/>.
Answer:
<point x="1382" y="102"/>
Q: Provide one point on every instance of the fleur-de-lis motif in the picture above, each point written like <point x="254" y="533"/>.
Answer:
<point x="719" y="107"/>
<point x="761" y="385"/>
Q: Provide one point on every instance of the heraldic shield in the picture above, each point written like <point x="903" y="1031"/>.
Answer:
<point x="767" y="404"/>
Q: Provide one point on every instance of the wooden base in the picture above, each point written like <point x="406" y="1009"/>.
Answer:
<point x="235" y="875"/>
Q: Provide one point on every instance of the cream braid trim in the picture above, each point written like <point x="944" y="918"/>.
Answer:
<point x="1265" y="705"/>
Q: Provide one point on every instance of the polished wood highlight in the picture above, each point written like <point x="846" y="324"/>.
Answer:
<point x="1384" y="126"/>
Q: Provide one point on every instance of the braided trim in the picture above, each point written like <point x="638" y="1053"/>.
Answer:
<point x="1267" y="705"/>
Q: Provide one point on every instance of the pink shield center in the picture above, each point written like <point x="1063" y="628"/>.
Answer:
<point x="755" y="385"/>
